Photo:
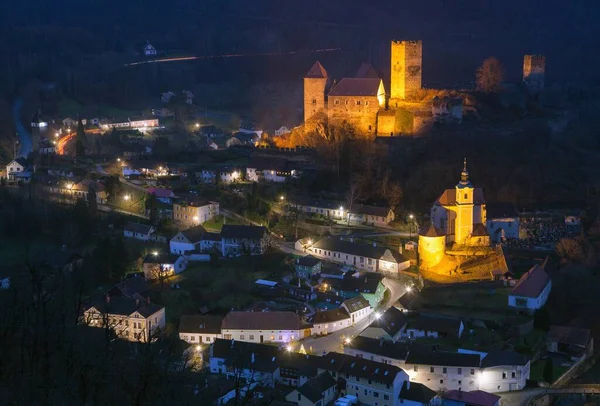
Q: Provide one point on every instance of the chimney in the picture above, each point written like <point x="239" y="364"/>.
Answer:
<point x="107" y="298"/>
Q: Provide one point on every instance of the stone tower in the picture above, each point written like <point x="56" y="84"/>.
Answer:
<point x="534" y="72"/>
<point x="315" y="87"/>
<point x="464" y="207"/>
<point x="406" y="72"/>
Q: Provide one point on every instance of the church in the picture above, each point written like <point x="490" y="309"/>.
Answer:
<point x="458" y="217"/>
<point x="362" y="100"/>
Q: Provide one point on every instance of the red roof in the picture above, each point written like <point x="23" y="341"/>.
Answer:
<point x="476" y="397"/>
<point x="159" y="192"/>
<point x="356" y="87"/>
<point x="448" y="198"/>
<point x="317" y="71"/>
<point x="533" y="282"/>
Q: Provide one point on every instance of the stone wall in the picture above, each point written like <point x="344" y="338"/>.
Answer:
<point x="314" y="97"/>
<point x="346" y="108"/>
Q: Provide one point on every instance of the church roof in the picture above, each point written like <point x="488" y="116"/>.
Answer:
<point x="366" y="70"/>
<point x="317" y="71"/>
<point x="479" y="230"/>
<point x="448" y="198"/>
<point x="356" y="87"/>
<point x="432" y="231"/>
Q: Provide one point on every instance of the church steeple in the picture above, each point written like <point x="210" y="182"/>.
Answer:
<point x="464" y="177"/>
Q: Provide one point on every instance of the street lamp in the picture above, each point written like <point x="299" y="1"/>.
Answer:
<point x="198" y="348"/>
<point x="347" y="341"/>
<point x="377" y="316"/>
<point x="118" y="159"/>
<point x="281" y="198"/>
<point x="195" y="218"/>
<point x="126" y="198"/>
<point x="409" y="289"/>
<point x="197" y="125"/>
<point x="155" y="253"/>
<point x="288" y="348"/>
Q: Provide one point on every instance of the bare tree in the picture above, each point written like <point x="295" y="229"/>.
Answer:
<point x="490" y="75"/>
<point x="352" y="196"/>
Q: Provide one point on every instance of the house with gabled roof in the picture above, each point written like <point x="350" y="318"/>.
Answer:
<point x="577" y="343"/>
<point x="388" y="326"/>
<point x="131" y="319"/>
<point x="320" y="390"/>
<point x="200" y="329"/>
<point x="416" y="394"/>
<point x="358" y="308"/>
<point x="138" y="231"/>
<point x="162" y="265"/>
<point x="532" y="290"/>
<point x="262" y="327"/>
<point x="329" y="321"/>
<point x="243" y="240"/>
<point x="433" y="327"/>
<point x="377" y="349"/>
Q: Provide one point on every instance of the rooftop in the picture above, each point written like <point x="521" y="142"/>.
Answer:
<point x="317" y="71"/>
<point x="161" y="258"/>
<point x="308" y="260"/>
<point x="314" y="388"/>
<point x="362" y="250"/>
<point x="416" y="392"/>
<point x="381" y="347"/>
<point x="261" y="321"/>
<point x="356" y="303"/>
<point x="473" y="398"/>
<point x="248" y="232"/>
<point x="391" y="321"/>
<point x="448" y="197"/>
<point x="124" y="306"/>
<point x="533" y="282"/>
<point x="194" y="234"/>
<point x="138" y="228"/>
<point x="497" y="358"/>
<point x="240" y="354"/>
<point x="198" y="324"/>
<point x="569" y="335"/>
<point x="356" y="87"/>
<point x="431" y="323"/>
<point x="342" y="363"/>
<point x="429" y="355"/>
<point x="328" y="316"/>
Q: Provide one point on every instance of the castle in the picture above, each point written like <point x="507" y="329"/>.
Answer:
<point x="362" y="100"/>
<point x="458" y="216"/>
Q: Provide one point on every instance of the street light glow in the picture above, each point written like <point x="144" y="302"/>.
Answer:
<point x="409" y="288"/>
<point x="197" y="125"/>
<point x="411" y="216"/>
<point x="198" y="348"/>
<point x="118" y="159"/>
<point x="289" y="348"/>
<point x="347" y="341"/>
<point x="281" y="197"/>
<point x="126" y="198"/>
<point x="155" y="253"/>
<point x="195" y="218"/>
<point x="377" y="316"/>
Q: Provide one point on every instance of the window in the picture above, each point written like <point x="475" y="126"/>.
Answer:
<point x="441" y="381"/>
<point x="365" y="392"/>
<point x="386" y="397"/>
<point x="445" y="370"/>
<point x="466" y="196"/>
<point x="416" y="368"/>
<point x="431" y="369"/>
<point x="460" y="371"/>
<point x="513" y="375"/>
<point x="314" y="101"/>
<point x="376" y="394"/>
<point x="193" y="338"/>
<point x="369" y="382"/>
<point x="357" y="379"/>
<point x="337" y="101"/>
<point x="242" y="337"/>
<point x="207" y="339"/>
<point x="503" y="375"/>
<point x="347" y="102"/>
<point x="280" y="338"/>
<point x="460" y="382"/>
<point x="299" y="397"/>
<point x="366" y="104"/>
<point x="358" y="102"/>
<point x="472" y="371"/>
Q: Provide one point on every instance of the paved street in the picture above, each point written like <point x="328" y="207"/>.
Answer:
<point x="333" y="342"/>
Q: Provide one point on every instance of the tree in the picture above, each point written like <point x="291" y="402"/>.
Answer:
<point x="571" y="249"/>
<point x="113" y="187"/>
<point x="352" y="196"/>
<point x="490" y="75"/>
<point x="548" y="371"/>
<point x="119" y="258"/>
<point x="152" y="207"/>
<point x="92" y="200"/>
<point x="80" y="140"/>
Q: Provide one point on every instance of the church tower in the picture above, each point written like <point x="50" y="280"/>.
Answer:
<point x="464" y="207"/>
<point x="315" y="86"/>
<point x="406" y="72"/>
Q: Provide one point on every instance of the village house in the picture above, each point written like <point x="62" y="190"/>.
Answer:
<point x="502" y="222"/>
<point x="196" y="211"/>
<point x="358" y="308"/>
<point x="142" y="122"/>
<point x="532" y="290"/>
<point x="370" y="215"/>
<point x="161" y="266"/>
<point x="130" y="319"/>
<point x="371" y="382"/>
<point x="282" y="131"/>
<point x="239" y="240"/>
<point x="194" y="240"/>
<point x="200" y="329"/>
<point x="250" y="362"/>
<point x="433" y="327"/>
<point x="263" y="327"/>
<point x="575" y="343"/>
<point x="388" y="326"/>
<point x="295" y="369"/>
<point x="319" y="391"/>
<point x="149" y="50"/>
<point x="378" y="350"/>
<point x="81" y="190"/>
<point x="503" y="371"/>
<point x="357" y="213"/>
<point x="417" y="394"/>
<point x="270" y="169"/>
<point x="372" y="258"/>
<point x="369" y="286"/>
<point x="329" y="321"/>
<point x="308" y="266"/>
<point x="440" y="370"/>
<point x="162" y="195"/>
<point x="138" y="231"/>
<point x="135" y="288"/>
<point x="16" y="168"/>
<point x="227" y="174"/>
<point x="472" y="398"/>
<point x="47" y="147"/>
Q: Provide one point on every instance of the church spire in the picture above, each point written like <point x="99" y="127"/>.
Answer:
<point x="464" y="176"/>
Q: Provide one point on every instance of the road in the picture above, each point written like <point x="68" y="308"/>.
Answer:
<point x="62" y="143"/>
<point x="25" y="139"/>
<point x="333" y="342"/>
<point x="520" y="398"/>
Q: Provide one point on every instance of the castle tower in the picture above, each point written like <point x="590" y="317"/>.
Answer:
<point x="406" y="72"/>
<point x="464" y="207"/>
<point x="534" y="72"/>
<point x="315" y="86"/>
<point x="432" y="247"/>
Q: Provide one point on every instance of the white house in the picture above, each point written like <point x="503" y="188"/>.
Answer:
<point x="254" y="363"/>
<point x="372" y="258"/>
<point x="243" y="240"/>
<point x="358" y="308"/>
<point x="503" y="371"/>
<point x="161" y="265"/>
<point x="262" y="327"/>
<point x="433" y="327"/>
<point x="270" y="169"/>
<point x="194" y="239"/>
<point x="191" y="212"/>
<point x="371" y="382"/>
<point x="441" y="370"/>
<point x="329" y="321"/>
<point x="378" y="350"/>
<point x="282" y="131"/>
<point x="15" y="167"/>
<point x="532" y="290"/>
<point x="502" y="222"/>
<point x="132" y="319"/>
<point x="138" y="231"/>
<point x="227" y="175"/>
<point x="149" y="50"/>
<point x="162" y="195"/>
<point x="197" y="329"/>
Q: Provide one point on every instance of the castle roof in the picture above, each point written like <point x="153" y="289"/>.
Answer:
<point x="317" y="71"/>
<point x="432" y="231"/>
<point x="356" y="87"/>
<point x="366" y="70"/>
